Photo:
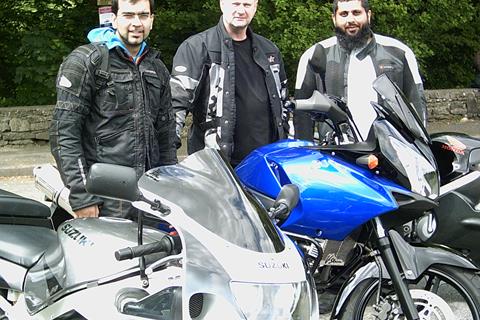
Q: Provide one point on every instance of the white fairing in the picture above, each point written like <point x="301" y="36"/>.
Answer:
<point x="221" y="262"/>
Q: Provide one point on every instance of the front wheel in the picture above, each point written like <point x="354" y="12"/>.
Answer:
<point x="442" y="293"/>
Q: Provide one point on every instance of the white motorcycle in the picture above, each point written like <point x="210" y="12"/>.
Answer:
<point x="222" y="258"/>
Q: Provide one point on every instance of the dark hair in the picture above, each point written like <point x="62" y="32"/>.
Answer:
<point x="115" y="5"/>
<point x="365" y="4"/>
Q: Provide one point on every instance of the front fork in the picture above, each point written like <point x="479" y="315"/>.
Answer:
<point x="399" y="284"/>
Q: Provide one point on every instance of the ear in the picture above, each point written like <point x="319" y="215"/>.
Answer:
<point x="114" y="22"/>
<point x="333" y="19"/>
<point x="221" y="5"/>
<point x="369" y="15"/>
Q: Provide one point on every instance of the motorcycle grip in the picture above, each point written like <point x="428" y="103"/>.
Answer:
<point x="166" y="244"/>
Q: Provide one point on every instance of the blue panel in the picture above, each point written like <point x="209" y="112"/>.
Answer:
<point x="336" y="197"/>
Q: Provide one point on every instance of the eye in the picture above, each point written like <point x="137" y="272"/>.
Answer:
<point x="128" y="15"/>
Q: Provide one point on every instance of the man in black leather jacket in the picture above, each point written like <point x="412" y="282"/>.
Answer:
<point x="233" y="82"/>
<point x="113" y="106"/>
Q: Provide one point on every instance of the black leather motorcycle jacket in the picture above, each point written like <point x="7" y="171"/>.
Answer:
<point x="121" y="115"/>
<point x="203" y="82"/>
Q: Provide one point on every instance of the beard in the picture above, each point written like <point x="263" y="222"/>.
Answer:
<point x="356" y="41"/>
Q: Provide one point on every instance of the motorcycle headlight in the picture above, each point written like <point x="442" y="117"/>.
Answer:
<point x="423" y="177"/>
<point x="288" y="301"/>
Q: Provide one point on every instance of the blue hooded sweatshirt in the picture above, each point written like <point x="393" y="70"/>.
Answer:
<point x="107" y="35"/>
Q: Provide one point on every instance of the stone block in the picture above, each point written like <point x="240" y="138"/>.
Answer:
<point x="473" y="106"/>
<point x="42" y="136"/>
<point x="19" y="125"/>
<point x="20" y="142"/>
<point x="12" y="136"/>
<point x="39" y="126"/>
<point x="458" y="108"/>
<point x="4" y="125"/>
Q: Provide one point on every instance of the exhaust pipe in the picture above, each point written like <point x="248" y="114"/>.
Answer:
<point x="49" y="182"/>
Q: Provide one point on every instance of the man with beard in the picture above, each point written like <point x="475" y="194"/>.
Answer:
<point x="346" y="65"/>
<point x="113" y="106"/>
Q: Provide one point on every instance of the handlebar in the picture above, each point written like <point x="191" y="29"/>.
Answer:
<point x="167" y="244"/>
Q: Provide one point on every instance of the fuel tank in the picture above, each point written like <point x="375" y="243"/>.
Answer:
<point x="336" y="197"/>
<point x="83" y="254"/>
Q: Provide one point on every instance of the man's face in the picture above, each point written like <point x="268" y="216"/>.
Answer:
<point x="133" y="22"/>
<point x="238" y="14"/>
<point x="351" y="17"/>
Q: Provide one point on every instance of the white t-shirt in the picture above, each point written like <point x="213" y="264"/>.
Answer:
<point x="361" y="74"/>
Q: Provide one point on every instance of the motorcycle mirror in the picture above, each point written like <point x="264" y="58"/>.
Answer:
<point x="320" y="104"/>
<point x="286" y="200"/>
<point x="113" y="181"/>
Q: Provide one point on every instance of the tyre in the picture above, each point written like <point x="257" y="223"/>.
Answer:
<point x="442" y="292"/>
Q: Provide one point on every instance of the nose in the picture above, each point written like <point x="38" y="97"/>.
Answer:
<point x="241" y="9"/>
<point x="136" y="20"/>
<point x="350" y="17"/>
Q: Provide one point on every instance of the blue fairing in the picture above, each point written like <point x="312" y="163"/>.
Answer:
<point x="336" y="197"/>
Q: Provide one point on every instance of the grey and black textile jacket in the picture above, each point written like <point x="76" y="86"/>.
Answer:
<point x="325" y="66"/>
<point x="203" y="83"/>
<point x="121" y="115"/>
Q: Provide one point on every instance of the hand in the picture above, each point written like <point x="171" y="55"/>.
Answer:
<point x="88" y="212"/>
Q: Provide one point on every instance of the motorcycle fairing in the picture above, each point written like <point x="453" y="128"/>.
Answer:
<point x="357" y="195"/>
<point x="73" y="260"/>
<point x="208" y="192"/>
<point x="220" y="244"/>
<point x="456" y="154"/>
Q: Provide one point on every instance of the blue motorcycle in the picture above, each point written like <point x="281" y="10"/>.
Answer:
<point x="350" y="216"/>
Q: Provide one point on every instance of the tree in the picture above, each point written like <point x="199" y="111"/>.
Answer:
<point x="443" y="34"/>
<point x="37" y="34"/>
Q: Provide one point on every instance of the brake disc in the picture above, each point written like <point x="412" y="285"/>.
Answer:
<point x="431" y="306"/>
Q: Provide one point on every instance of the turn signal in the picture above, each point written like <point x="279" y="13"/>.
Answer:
<point x="370" y="161"/>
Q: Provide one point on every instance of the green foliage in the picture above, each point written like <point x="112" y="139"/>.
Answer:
<point x="294" y="26"/>
<point x="176" y="20"/>
<point x="37" y="34"/>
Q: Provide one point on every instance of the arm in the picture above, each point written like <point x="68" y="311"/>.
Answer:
<point x="165" y="127"/>
<point x="187" y="73"/>
<point x="304" y="87"/>
<point x="413" y="86"/>
<point x="284" y="96"/>
<point x="75" y="84"/>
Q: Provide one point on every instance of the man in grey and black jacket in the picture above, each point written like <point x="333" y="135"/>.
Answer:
<point x="233" y="82"/>
<point x="346" y="65"/>
<point x="113" y="106"/>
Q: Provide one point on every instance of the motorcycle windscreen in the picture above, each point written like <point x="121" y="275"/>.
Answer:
<point x="205" y="187"/>
<point x="398" y="107"/>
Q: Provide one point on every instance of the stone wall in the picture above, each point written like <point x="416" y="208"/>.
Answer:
<point x="24" y="125"/>
<point x="29" y="125"/>
<point x="453" y="104"/>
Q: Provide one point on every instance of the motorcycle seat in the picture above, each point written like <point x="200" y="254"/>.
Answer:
<point x="25" y="245"/>
<point x="13" y="205"/>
